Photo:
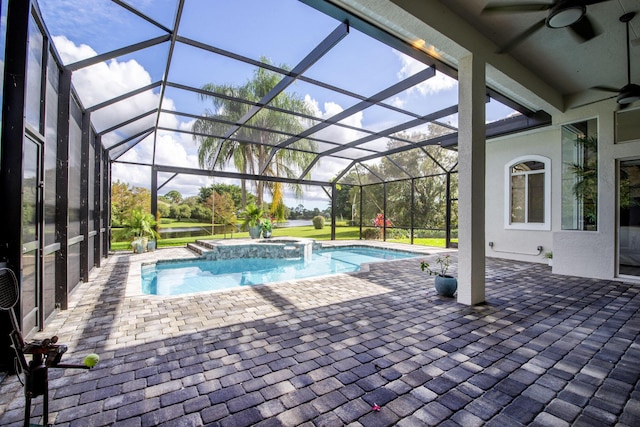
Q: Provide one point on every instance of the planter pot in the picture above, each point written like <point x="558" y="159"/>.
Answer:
<point x="255" y="232"/>
<point x="151" y="245"/>
<point x="446" y="285"/>
<point x="266" y="234"/>
<point x="137" y="247"/>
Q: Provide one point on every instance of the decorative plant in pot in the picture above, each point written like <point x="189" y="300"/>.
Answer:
<point x="251" y="220"/>
<point x="141" y="227"/>
<point x="266" y="226"/>
<point x="445" y="284"/>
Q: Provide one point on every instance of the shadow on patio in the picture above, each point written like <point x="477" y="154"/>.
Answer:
<point x="545" y="349"/>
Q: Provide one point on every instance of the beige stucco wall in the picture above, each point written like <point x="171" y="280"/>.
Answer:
<point x="509" y="243"/>
<point x="579" y="253"/>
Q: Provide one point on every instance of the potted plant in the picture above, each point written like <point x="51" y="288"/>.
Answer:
<point x="445" y="284"/>
<point x="141" y="226"/>
<point x="251" y="220"/>
<point x="267" y="227"/>
<point x="549" y="257"/>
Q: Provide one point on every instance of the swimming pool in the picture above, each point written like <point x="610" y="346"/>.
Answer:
<point x="187" y="276"/>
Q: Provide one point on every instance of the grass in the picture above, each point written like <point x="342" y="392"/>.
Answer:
<point x="185" y="224"/>
<point x="305" y="231"/>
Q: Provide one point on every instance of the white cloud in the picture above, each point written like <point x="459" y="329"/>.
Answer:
<point x="105" y="80"/>
<point x="438" y="83"/>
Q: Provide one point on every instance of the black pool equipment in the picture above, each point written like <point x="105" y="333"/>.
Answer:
<point x="45" y="353"/>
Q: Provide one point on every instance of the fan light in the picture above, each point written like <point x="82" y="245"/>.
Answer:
<point x="563" y="17"/>
<point x="629" y="94"/>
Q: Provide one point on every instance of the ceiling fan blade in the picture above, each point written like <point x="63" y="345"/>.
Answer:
<point x="584" y="29"/>
<point x="590" y="2"/>
<point x="592" y="102"/>
<point x="516" y="7"/>
<point x="506" y="48"/>
<point x="606" y="89"/>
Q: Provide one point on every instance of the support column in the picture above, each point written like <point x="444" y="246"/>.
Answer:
<point x="62" y="190"/>
<point x="154" y="202"/>
<point x="13" y="107"/>
<point x="97" y="202"/>
<point x="154" y="193"/>
<point x="448" y="213"/>
<point x="384" y="214"/>
<point x="471" y="187"/>
<point x="413" y="204"/>
<point x="334" y="199"/>
<point x="360" y="220"/>
<point x="84" y="197"/>
<point x="106" y="200"/>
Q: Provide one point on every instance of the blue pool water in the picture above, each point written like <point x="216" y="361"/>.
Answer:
<point x="187" y="276"/>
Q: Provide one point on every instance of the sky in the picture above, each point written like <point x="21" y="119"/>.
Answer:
<point x="284" y="31"/>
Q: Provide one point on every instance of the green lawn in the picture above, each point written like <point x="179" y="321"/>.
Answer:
<point x="174" y="224"/>
<point x="307" y="231"/>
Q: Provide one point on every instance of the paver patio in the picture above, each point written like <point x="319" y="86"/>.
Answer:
<point x="544" y="350"/>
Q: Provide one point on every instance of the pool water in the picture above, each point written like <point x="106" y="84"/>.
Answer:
<point x="187" y="276"/>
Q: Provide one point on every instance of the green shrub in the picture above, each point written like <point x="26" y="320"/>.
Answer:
<point x="429" y="234"/>
<point x="397" y="233"/>
<point x="318" y="222"/>
<point x="372" y="233"/>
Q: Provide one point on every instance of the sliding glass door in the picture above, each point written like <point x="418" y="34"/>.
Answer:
<point x="629" y="218"/>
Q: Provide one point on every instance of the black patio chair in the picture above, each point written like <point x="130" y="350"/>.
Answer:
<point x="45" y="353"/>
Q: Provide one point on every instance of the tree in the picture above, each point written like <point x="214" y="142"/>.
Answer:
<point x="164" y="209"/>
<point x="224" y="208"/>
<point x="125" y="198"/>
<point x="140" y="224"/>
<point x="174" y="196"/>
<point x="428" y="165"/>
<point x="277" y="204"/>
<point x="344" y="201"/>
<point x="121" y="202"/>
<point x="185" y="211"/>
<point x="252" y="157"/>
<point x="585" y="179"/>
<point x="234" y="191"/>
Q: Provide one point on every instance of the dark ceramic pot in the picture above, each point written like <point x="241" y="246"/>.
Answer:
<point x="255" y="232"/>
<point x="446" y="285"/>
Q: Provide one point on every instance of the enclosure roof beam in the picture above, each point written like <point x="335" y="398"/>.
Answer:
<point x="122" y="97"/>
<point x="126" y="122"/>
<point x="314" y="56"/>
<point x="172" y="45"/>
<point x="244" y="141"/>
<point x="145" y="132"/>
<point x="117" y="52"/>
<point x="141" y="15"/>
<point x="167" y="181"/>
<point x="385" y="133"/>
<point x="405" y="84"/>
<point x="236" y="175"/>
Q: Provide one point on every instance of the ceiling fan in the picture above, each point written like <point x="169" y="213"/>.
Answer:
<point x="561" y="14"/>
<point x="630" y="92"/>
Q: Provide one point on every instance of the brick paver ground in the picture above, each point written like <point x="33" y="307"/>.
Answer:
<point x="544" y="350"/>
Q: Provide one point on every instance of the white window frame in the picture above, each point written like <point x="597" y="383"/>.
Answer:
<point x="546" y="225"/>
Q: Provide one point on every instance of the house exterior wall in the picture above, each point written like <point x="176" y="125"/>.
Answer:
<point x="578" y="253"/>
<point x="510" y="243"/>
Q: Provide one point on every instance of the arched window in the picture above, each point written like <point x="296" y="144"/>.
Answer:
<point x="528" y="193"/>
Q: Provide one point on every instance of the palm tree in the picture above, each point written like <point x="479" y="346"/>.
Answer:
<point x="248" y="148"/>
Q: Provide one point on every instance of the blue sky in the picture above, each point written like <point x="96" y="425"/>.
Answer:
<point x="285" y="31"/>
